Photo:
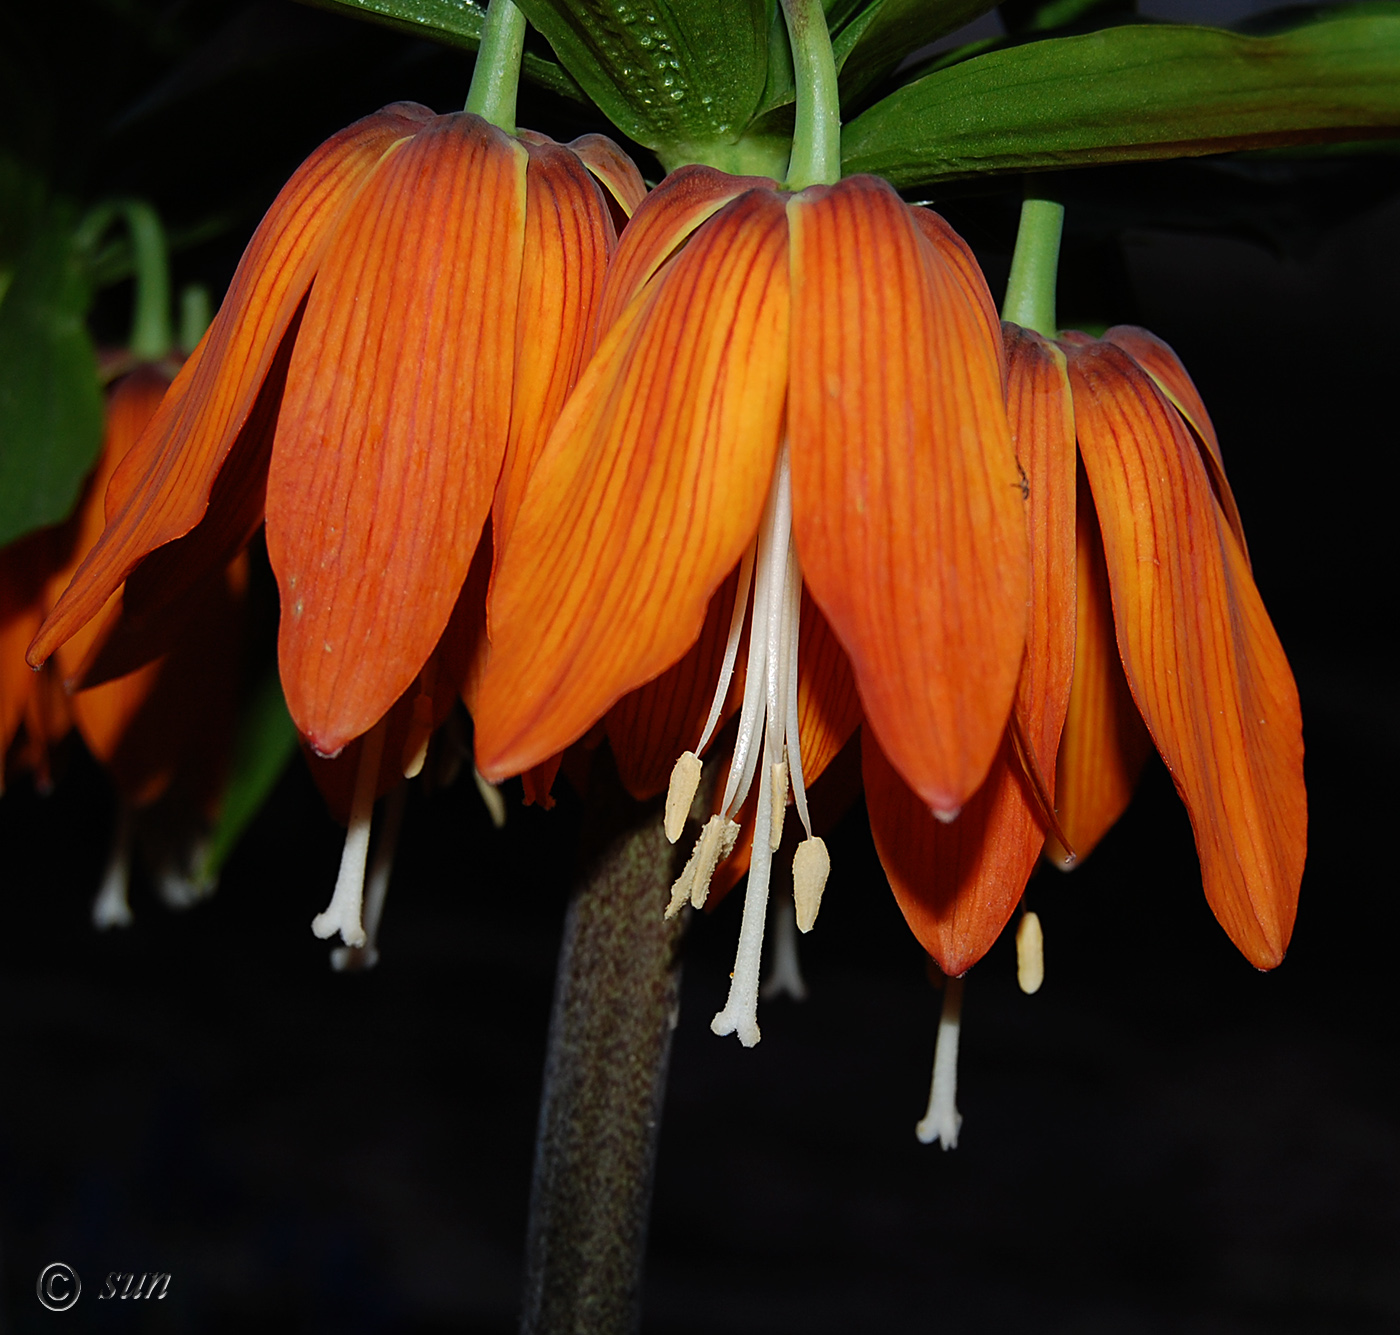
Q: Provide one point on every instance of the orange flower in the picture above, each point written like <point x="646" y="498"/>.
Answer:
<point x="400" y="332"/>
<point x="801" y="386"/>
<point x="1144" y="611"/>
<point x="172" y="716"/>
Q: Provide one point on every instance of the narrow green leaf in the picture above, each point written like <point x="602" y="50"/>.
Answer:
<point x="267" y="738"/>
<point x="451" y="23"/>
<point x="884" y="32"/>
<point x="1134" y="93"/>
<point x="670" y="74"/>
<point x="50" y="402"/>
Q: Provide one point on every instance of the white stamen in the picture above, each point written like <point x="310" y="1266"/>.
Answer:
<point x="343" y="913"/>
<point x="740" y="1013"/>
<point x="778" y="777"/>
<point x="716" y="842"/>
<point x="731" y="648"/>
<point x="182" y="879"/>
<point x="491" y="796"/>
<point x="942" y="1120"/>
<point x="381" y="867"/>
<point x="811" y="865"/>
<point x="793" y="601"/>
<point x="947" y="816"/>
<point x="111" y="907"/>
<point x="685" y="779"/>
<point x="785" y="976"/>
<point x="1030" y="953"/>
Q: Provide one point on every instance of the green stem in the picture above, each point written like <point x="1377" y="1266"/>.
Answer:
<point x="151" y="337"/>
<point x="816" y="136"/>
<point x="496" y="78"/>
<point x="1030" y="291"/>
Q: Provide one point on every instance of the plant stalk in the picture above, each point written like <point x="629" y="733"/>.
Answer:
<point x="496" y="78"/>
<point x="1035" y="265"/>
<point x="816" y="136"/>
<point x="617" y="997"/>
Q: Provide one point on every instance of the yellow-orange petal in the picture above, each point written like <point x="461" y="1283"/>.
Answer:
<point x="964" y="266"/>
<point x="394" y="422"/>
<point x="1104" y="744"/>
<point x="1201" y="656"/>
<point x="164" y="489"/>
<point x="648" y="490"/>
<point x="907" y="505"/>
<point x="956" y="883"/>
<point x="1040" y="411"/>
<point x="568" y="237"/>
<point x="1156" y="357"/>
<point x="662" y="223"/>
<point x="649" y="727"/>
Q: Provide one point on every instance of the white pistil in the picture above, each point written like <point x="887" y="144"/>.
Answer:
<point x="343" y="913"/>
<point x="110" y="907"/>
<point x="811" y="865"/>
<point x="716" y="842"/>
<point x="1030" y="953"/>
<point x="740" y="1013"/>
<point x="491" y="797"/>
<point x="381" y="868"/>
<point x="680" y="793"/>
<point x="785" y="970"/>
<point x="942" y="1120"/>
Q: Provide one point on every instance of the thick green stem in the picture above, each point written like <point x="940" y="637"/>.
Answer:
<point x="616" y="999"/>
<point x="816" y="136"/>
<point x="496" y="78"/>
<point x="1030" y="291"/>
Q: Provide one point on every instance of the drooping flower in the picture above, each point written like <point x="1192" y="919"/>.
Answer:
<point x="412" y="310"/>
<point x="800" y="387"/>
<point x="397" y="340"/>
<point x="1142" y="582"/>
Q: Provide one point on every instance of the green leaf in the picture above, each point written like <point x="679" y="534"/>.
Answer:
<point x="884" y="32"/>
<point x="670" y="74"/>
<point x="1134" y="93"/>
<point x="267" y="737"/>
<point x="451" y="23"/>
<point x="50" y="401"/>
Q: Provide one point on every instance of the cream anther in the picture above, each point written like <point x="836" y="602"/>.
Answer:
<point x="685" y="779"/>
<point x="942" y="1120"/>
<point x="1030" y="953"/>
<point x="111" y="907"/>
<point x="811" y="865"/>
<point x="716" y="842"/>
<point x="947" y="816"/>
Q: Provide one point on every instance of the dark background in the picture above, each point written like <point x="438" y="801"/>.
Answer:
<point x="1161" y="1140"/>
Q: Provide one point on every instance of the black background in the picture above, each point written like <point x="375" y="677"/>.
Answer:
<point x="1162" y="1140"/>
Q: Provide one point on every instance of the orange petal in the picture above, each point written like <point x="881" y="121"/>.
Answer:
<point x="956" y="884"/>
<point x="652" y="725"/>
<point x="907" y="504"/>
<point x="662" y="223"/>
<point x="164" y="489"/>
<point x="568" y="237"/>
<point x="1040" y="411"/>
<point x="828" y="707"/>
<point x="1104" y="743"/>
<point x="648" y="490"/>
<point x="613" y="168"/>
<point x="394" y="423"/>
<point x="1201" y="656"/>
<point x="1164" y="366"/>
<point x="964" y="265"/>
